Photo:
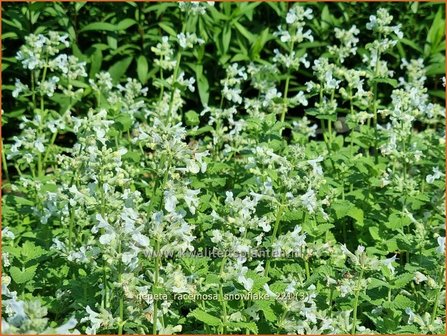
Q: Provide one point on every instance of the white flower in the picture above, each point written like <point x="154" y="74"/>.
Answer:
<point x="19" y="88"/>
<point x="188" y="40"/>
<point x="269" y="291"/>
<point x="217" y="236"/>
<point x="93" y="318"/>
<point x="170" y="200"/>
<point x="246" y="282"/>
<point x="7" y="233"/>
<point x="232" y="94"/>
<point x="38" y="144"/>
<point x="437" y="174"/>
<point x="309" y="201"/>
<point x="65" y="328"/>
<point x="419" y="277"/>
<point x="107" y="238"/>
<point x="141" y="239"/>
<point x="109" y="234"/>
<point x="264" y="224"/>
<point x="192" y="200"/>
<point x="441" y="248"/>
<point x="389" y="263"/>
<point x="317" y="170"/>
<point x="349" y="254"/>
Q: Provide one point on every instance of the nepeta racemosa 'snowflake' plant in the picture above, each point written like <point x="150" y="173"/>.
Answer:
<point x="294" y="33"/>
<point x="283" y="179"/>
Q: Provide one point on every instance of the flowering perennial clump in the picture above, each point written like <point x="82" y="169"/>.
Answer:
<point x="306" y="197"/>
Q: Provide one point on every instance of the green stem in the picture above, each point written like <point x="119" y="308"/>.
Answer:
<point x="286" y="88"/>
<point x="438" y="291"/>
<point x="306" y="266"/>
<point x="121" y="295"/>
<point x="4" y="163"/>
<point x="376" y="157"/>
<point x="47" y="151"/>
<point x="156" y="279"/>
<point x="331" y="294"/>
<point x="275" y="232"/>
<point x="221" y="296"/>
<point x="356" y="301"/>
<point x="171" y="99"/>
<point x="70" y="230"/>
<point x="281" y="320"/>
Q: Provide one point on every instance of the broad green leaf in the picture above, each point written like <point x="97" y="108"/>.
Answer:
<point x="119" y="69"/>
<point x="142" y="69"/>
<point x="205" y="317"/>
<point x="99" y="26"/>
<point x="268" y="312"/>
<point x="192" y="118"/>
<point x="30" y="251"/>
<point x="126" y="23"/>
<point x="22" y="276"/>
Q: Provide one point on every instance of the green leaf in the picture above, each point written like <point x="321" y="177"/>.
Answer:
<point x="388" y="81"/>
<point x="30" y="251"/>
<point x="250" y="326"/>
<point x="249" y="36"/>
<point x="345" y="208"/>
<point x="436" y="33"/>
<point x="24" y="276"/>
<point x="376" y="283"/>
<point x="125" y="122"/>
<point x="192" y="118"/>
<point x="201" y="130"/>
<point x="96" y="61"/>
<point x="21" y="201"/>
<point x="268" y="312"/>
<point x="126" y="23"/>
<point x="397" y="221"/>
<point x="99" y="26"/>
<point x="133" y="156"/>
<point x="203" y="86"/>
<point x="357" y="214"/>
<point x="142" y="69"/>
<point x="402" y="302"/>
<point x="119" y="69"/>
<point x="402" y="280"/>
<point x="206" y="318"/>
<point x="167" y="28"/>
<point x="226" y="38"/>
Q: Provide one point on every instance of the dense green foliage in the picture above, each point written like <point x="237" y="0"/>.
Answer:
<point x="304" y="141"/>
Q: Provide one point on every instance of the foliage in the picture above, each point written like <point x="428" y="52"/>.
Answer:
<point x="223" y="168"/>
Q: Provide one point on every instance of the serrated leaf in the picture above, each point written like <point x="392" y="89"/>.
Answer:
<point x="402" y="280"/>
<point x="24" y="276"/>
<point x="402" y="302"/>
<point x="377" y="283"/>
<point x="266" y="310"/>
<point x="30" y="251"/>
<point x="250" y="326"/>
